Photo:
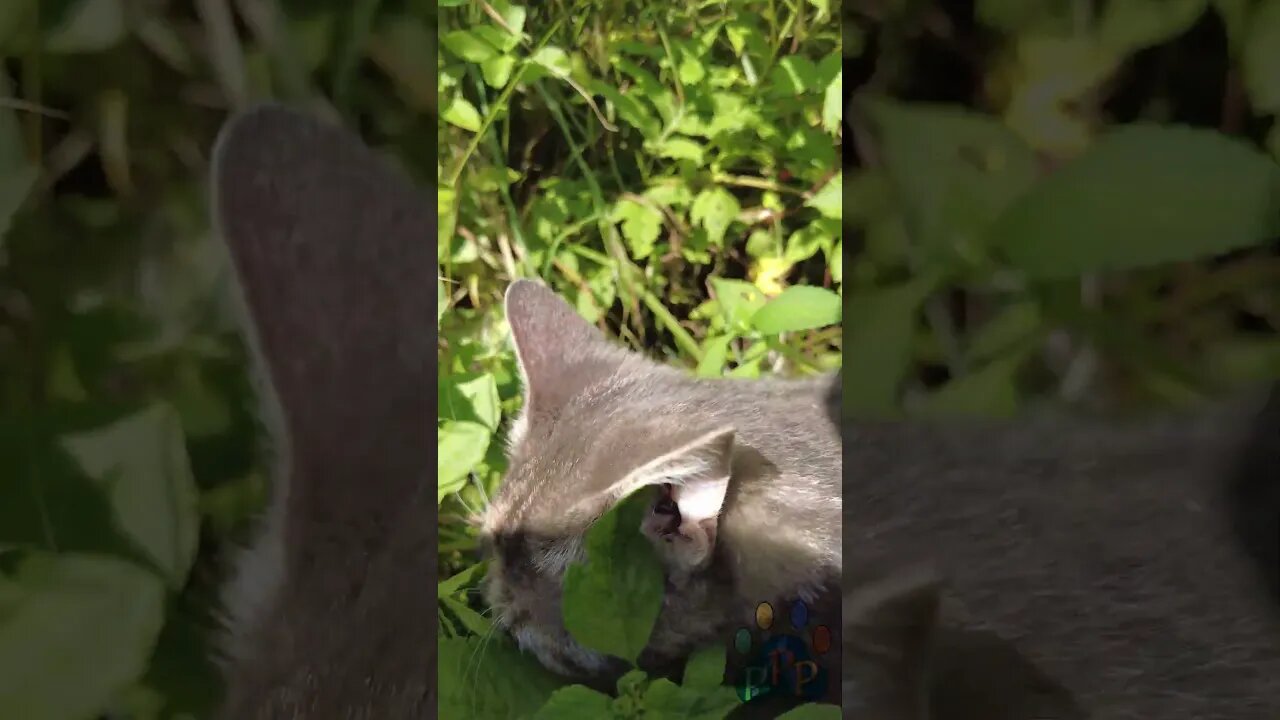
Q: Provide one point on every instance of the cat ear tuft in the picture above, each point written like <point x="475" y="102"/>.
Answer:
<point x="694" y="480"/>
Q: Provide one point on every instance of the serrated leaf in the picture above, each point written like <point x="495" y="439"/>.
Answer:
<point x="641" y="226"/>
<point x="575" y="702"/>
<point x="611" y="602"/>
<point x="714" y="209"/>
<point x="1144" y="194"/>
<point x="75" y="631"/>
<point x="664" y="700"/>
<point x="800" y="307"/>
<point x="679" y="148"/>
<point x="141" y="462"/>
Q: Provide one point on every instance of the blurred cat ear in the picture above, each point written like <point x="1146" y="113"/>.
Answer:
<point x="694" y="480"/>
<point x="556" y="347"/>
<point x="889" y="628"/>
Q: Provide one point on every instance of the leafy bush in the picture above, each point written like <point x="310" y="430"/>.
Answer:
<point x="671" y="171"/>
<point x="1060" y="199"/>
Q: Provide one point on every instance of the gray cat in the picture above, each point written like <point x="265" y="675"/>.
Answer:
<point x="744" y="480"/>
<point x="1133" y="562"/>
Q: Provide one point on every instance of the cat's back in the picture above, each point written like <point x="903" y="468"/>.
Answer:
<point x="1104" y="551"/>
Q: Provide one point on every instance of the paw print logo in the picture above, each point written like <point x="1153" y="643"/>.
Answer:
<point x="790" y="662"/>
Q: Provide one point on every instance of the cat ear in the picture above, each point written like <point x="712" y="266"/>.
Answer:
<point x="693" y="482"/>
<point x="889" y="629"/>
<point x="555" y="346"/>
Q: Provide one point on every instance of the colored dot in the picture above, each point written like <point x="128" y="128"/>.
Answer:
<point x="821" y="639"/>
<point x="764" y="615"/>
<point x="742" y="641"/>
<point x="799" y="614"/>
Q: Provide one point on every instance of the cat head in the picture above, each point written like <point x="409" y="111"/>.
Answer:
<point x="598" y="423"/>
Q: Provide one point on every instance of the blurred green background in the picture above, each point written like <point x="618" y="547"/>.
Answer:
<point x="128" y="437"/>
<point x="1060" y="200"/>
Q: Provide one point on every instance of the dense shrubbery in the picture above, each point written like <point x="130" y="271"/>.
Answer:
<point x="674" y="173"/>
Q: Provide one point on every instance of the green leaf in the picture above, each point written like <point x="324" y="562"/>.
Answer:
<point x="664" y="700"/>
<point x="497" y="70"/>
<point x="833" y="104"/>
<point x="460" y="580"/>
<point x="75" y="631"/>
<point x="799" y="307"/>
<point x="679" y="148"/>
<point x="1235" y="16"/>
<point x="1013" y="325"/>
<point x="1132" y="25"/>
<point x="714" y="209"/>
<point x="512" y="15"/>
<point x="611" y="602"/>
<point x="468" y="46"/>
<point x="575" y="702"/>
<point x="460" y="446"/>
<point x="955" y="171"/>
<point x="830" y="199"/>
<point x="705" y="668"/>
<point x="715" y="356"/>
<point x="812" y="711"/>
<point x="990" y="391"/>
<point x="462" y="113"/>
<point x="554" y="60"/>
<point x="1018" y="16"/>
<point x="1143" y="195"/>
<point x="473" y="621"/>
<point x="141" y="462"/>
<point x="1261" y="57"/>
<point x="881" y="326"/>
<point x="470" y="396"/>
<point x="641" y="226"/>
<point x="489" y="679"/>
<point x="738" y="300"/>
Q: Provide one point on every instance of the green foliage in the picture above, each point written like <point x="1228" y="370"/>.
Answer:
<point x="672" y="171"/>
<point x="1095" y="223"/>
<point x="611" y="602"/>
<point x="128" y="430"/>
